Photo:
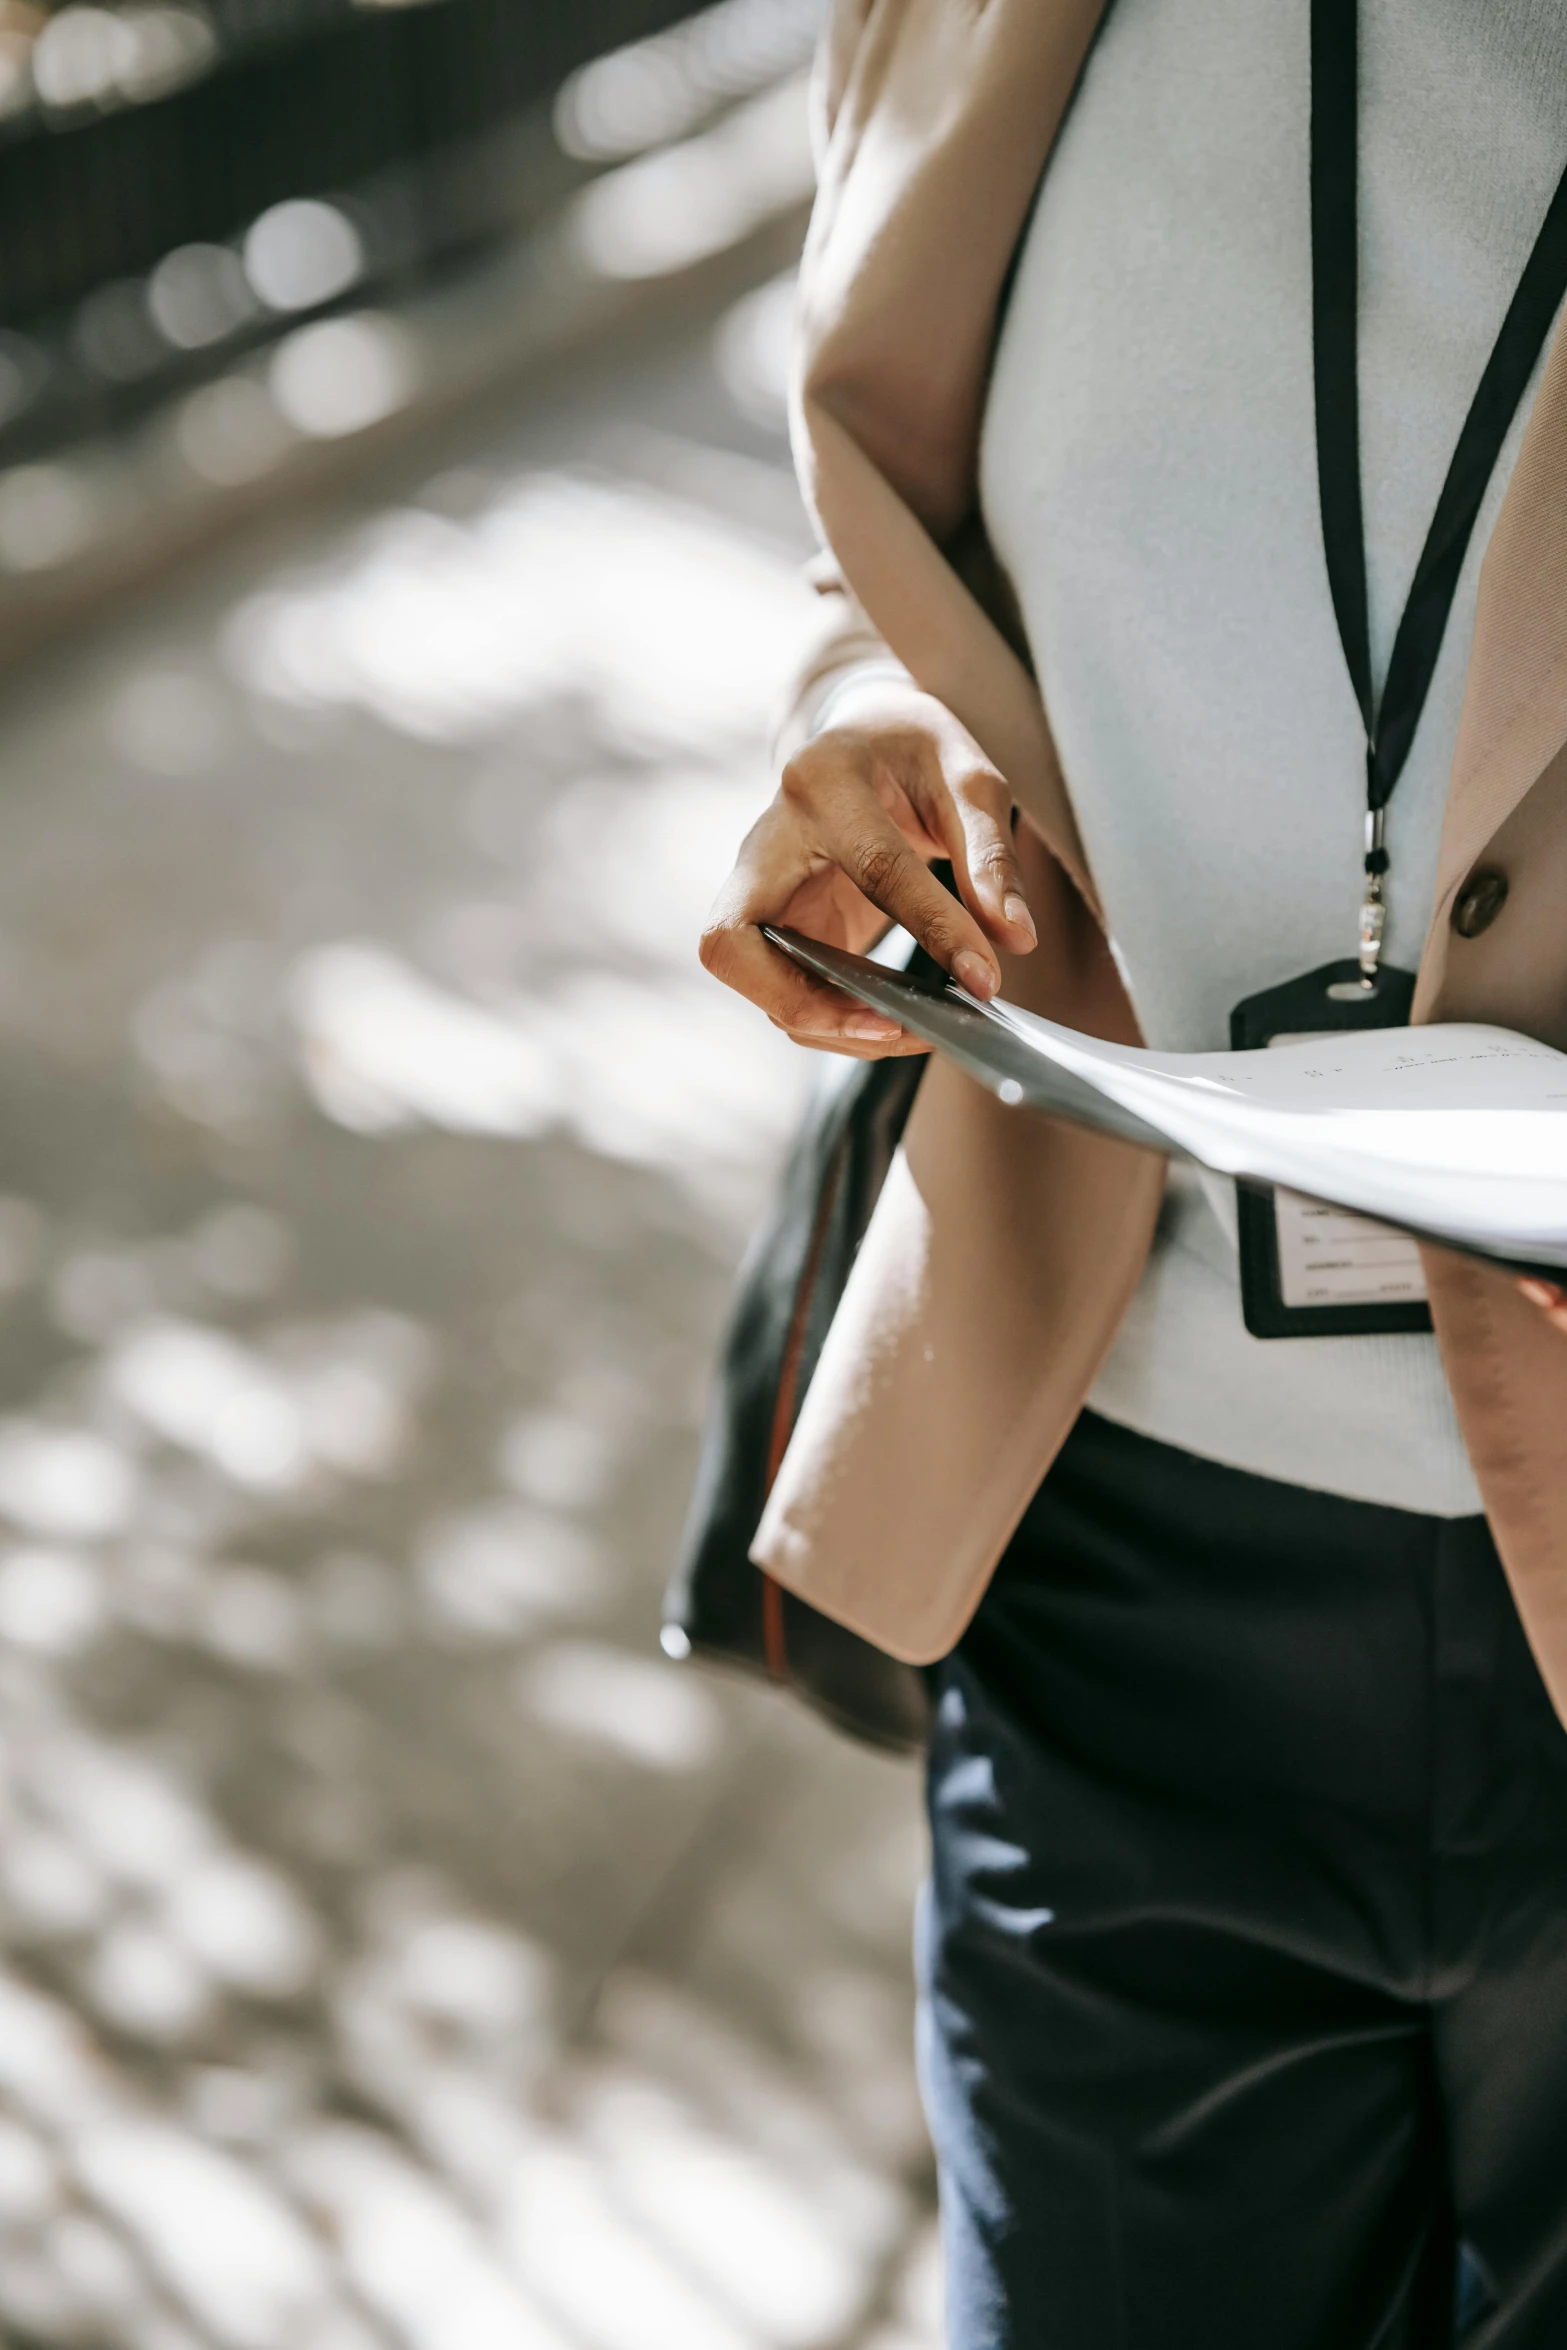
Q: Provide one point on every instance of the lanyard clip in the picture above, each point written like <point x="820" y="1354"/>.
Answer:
<point x="1373" y="909"/>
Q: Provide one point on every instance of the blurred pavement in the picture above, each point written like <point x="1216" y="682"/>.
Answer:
<point x="397" y="1950"/>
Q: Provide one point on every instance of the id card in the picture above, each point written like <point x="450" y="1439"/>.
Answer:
<point x="1309" y="1270"/>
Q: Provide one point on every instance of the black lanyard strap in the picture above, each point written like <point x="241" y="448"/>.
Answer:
<point x="1391" y="722"/>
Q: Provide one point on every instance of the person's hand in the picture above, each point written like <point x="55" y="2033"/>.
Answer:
<point x="862" y="812"/>
<point x="1551" y="1300"/>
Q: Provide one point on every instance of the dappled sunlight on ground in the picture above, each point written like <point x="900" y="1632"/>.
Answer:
<point x="397" y="1951"/>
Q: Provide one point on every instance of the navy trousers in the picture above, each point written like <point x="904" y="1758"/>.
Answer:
<point x="1244" y="1956"/>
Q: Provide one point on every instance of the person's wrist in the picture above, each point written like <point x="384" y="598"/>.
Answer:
<point x="864" y="686"/>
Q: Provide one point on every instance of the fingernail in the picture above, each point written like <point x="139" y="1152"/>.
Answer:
<point x="870" y="1030"/>
<point x="1541" y="1293"/>
<point x="1016" y="911"/>
<point x="973" y="972"/>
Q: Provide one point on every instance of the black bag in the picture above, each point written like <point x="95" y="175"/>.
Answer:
<point x="718" y="1604"/>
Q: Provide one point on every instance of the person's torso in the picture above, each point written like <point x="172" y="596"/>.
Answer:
<point x="1149" y="481"/>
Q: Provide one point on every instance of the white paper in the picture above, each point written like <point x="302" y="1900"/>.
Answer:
<point x="1455" y="1133"/>
<point x="1458" y="1131"/>
<point x="1328" y="1257"/>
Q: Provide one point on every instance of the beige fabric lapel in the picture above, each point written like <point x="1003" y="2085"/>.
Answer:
<point x="1506" y="801"/>
<point x="1515" y="701"/>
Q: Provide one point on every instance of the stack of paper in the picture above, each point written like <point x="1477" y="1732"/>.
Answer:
<point x="1455" y="1133"/>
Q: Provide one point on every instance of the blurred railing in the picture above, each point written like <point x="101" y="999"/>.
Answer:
<point x="178" y="181"/>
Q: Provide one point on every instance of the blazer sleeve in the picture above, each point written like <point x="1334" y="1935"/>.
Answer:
<point x="835" y="50"/>
<point x="844" y="640"/>
<point x="843" y="646"/>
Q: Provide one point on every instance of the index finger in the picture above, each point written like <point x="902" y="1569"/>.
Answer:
<point x="867" y="844"/>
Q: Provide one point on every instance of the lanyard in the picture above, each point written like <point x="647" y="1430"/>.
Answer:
<point x="1390" y="722"/>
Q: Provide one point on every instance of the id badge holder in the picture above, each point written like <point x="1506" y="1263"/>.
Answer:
<point x="1308" y="1270"/>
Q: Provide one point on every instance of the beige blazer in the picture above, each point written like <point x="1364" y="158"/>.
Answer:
<point x="1005" y="1248"/>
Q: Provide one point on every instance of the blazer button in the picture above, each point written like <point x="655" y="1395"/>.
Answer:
<point x="1479" y="902"/>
